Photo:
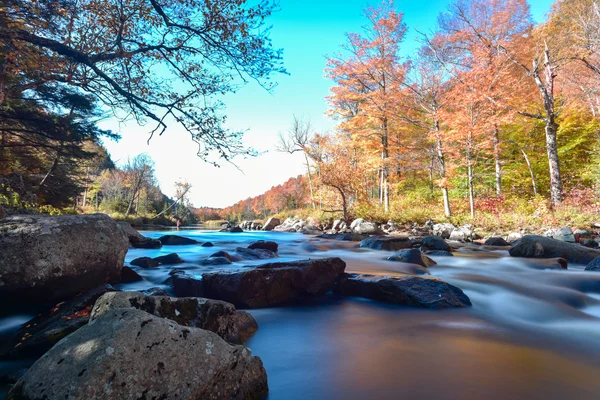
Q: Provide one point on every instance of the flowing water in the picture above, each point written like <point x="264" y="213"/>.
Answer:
<point x="532" y="333"/>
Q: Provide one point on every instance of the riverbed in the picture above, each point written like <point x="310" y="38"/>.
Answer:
<point x="532" y="333"/>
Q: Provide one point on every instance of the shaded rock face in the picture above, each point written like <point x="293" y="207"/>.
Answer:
<point x="412" y="256"/>
<point x="169" y="259"/>
<point x="275" y="283"/>
<point x="216" y="316"/>
<point x="222" y="254"/>
<point x="145" y="262"/>
<point x="174" y="240"/>
<point x="591" y="243"/>
<point x="565" y="234"/>
<point x="186" y="286"/>
<point x="532" y="246"/>
<point x="389" y="243"/>
<point x="415" y="291"/>
<point x="442" y="253"/>
<point x="496" y="241"/>
<point x="435" y="243"/>
<point x="271" y="224"/>
<point x="594" y="265"/>
<point x="131" y="354"/>
<point x="268" y="245"/>
<point x="128" y="275"/>
<point x="51" y="258"/>
<point x="255" y="254"/>
<point x="216" y="261"/>
<point x="136" y="239"/>
<point x="44" y="331"/>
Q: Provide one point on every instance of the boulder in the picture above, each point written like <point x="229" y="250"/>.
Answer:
<point x="496" y="241"/>
<point x="128" y="275"/>
<point x="47" y="258"/>
<point x="255" y="254"/>
<point x="513" y="237"/>
<point x="131" y="354"/>
<point x="463" y="234"/>
<point x="216" y="261"/>
<point x="389" y="243"/>
<point x="186" y="286"/>
<point x="136" y="239"/>
<point x="363" y="227"/>
<point x="532" y="246"/>
<point x="216" y="316"/>
<point x="583" y="233"/>
<point x="275" y="283"/>
<point x="435" y="243"/>
<point x="174" y="240"/>
<point x="412" y="256"/>
<point x="443" y="230"/>
<point x="208" y="244"/>
<point x="145" y="262"/>
<point x="565" y="234"/>
<point x="261" y="244"/>
<point x="169" y="259"/>
<point x="594" y="265"/>
<point x="130" y="231"/>
<point x="439" y="253"/>
<point x="591" y="243"/>
<point x="222" y="254"/>
<point x="45" y="330"/>
<point x="235" y="229"/>
<point x="154" y="291"/>
<point x="415" y="291"/>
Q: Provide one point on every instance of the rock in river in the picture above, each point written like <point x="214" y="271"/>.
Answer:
<point x="416" y="291"/>
<point x="532" y="246"/>
<point x="435" y="243"/>
<point x="136" y="239"/>
<point x="271" y="224"/>
<point x="594" y="265"/>
<point x="274" y="283"/>
<point x="255" y="254"/>
<point x="216" y="316"/>
<point x="412" y="256"/>
<point x="128" y="275"/>
<point x="389" y="243"/>
<point x="174" y="240"/>
<point x="131" y="354"/>
<point x="51" y="258"/>
<point x="268" y="245"/>
<point x="496" y="241"/>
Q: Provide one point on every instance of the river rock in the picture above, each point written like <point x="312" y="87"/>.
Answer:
<point x="174" y="240"/>
<point x="51" y="258"/>
<point x="389" y="243"/>
<point x="363" y="227"/>
<point x="136" y="239"/>
<point x="186" y="286"/>
<point x="565" y="234"/>
<point x="45" y="330"/>
<point x="532" y="246"/>
<point x="439" y="253"/>
<point x="275" y="283"/>
<point x="208" y="244"/>
<point x="443" y="230"/>
<point x="222" y="254"/>
<point x="594" y="265"/>
<point x="255" y="254"/>
<point x="128" y="275"/>
<point x="261" y="244"/>
<point x="349" y="237"/>
<point x="154" y="291"/>
<point x="591" y="243"/>
<point x="144" y="262"/>
<point x="513" y="237"/>
<point x="435" y="243"/>
<point x="271" y="224"/>
<point x="496" y="241"/>
<point x="216" y="316"/>
<point x="216" y="261"/>
<point x="463" y="234"/>
<point x="412" y="256"/>
<point x="415" y="291"/>
<point x="131" y="354"/>
<point x="169" y="259"/>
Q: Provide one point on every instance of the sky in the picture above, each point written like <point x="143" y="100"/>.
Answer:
<point x="307" y="30"/>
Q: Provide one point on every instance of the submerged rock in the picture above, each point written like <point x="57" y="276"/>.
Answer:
<point x="415" y="291"/>
<point x="496" y="241"/>
<point x="271" y="224"/>
<point x="268" y="245"/>
<point x="389" y="243"/>
<point x="435" y="243"/>
<point x="145" y="262"/>
<point x="348" y="237"/>
<point x="274" y="283"/>
<point x="208" y="244"/>
<point x="222" y="254"/>
<point x="439" y="253"/>
<point x="255" y="254"/>
<point x="131" y="354"/>
<point x="169" y="259"/>
<point x="52" y="258"/>
<point x="594" y="265"/>
<point x="531" y="246"/>
<point x="412" y="256"/>
<point x="174" y="240"/>
<point x="45" y="330"/>
<point x="216" y="261"/>
<point x="216" y="316"/>
<point x="128" y="275"/>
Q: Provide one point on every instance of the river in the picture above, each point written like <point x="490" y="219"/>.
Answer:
<point x="532" y="333"/>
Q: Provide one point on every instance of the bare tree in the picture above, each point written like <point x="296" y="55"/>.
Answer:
<point x="141" y="169"/>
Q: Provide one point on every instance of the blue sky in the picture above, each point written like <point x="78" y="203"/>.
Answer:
<point x="307" y="31"/>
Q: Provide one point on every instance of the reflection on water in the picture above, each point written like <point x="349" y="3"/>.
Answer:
<point x="533" y="331"/>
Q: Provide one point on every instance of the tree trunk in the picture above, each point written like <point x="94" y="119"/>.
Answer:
<point x="470" y="181"/>
<point x="556" y="186"/>
<point x="85" y="192"/>
<point x="497" y="162"/>
<point x="310" y="185"/>
<point x="442" y="161"/>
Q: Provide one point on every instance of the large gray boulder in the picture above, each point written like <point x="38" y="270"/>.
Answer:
<point x="274" y="283"/>
<point x="412" y="256"/>
<point x="136" y="239"/>
<point x="389" y="243"/>
<point x="51" y="258"/>
<point x="216" y="316"/>
<point x="532" y="246"/>
<point x="271" y="224"/>
<point x="131" y="354"/>
<point x="443" y="230"/>
<point x="415" y="291"/>
<point x="363" y="227"/>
